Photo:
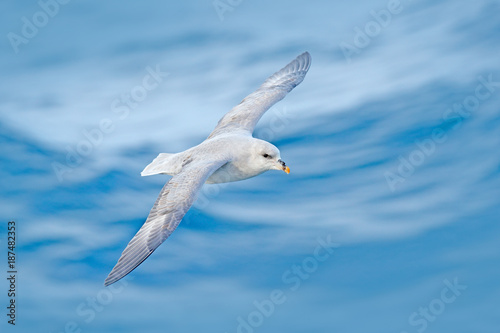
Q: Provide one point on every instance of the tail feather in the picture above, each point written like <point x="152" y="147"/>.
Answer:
<point x="159" y="165"/>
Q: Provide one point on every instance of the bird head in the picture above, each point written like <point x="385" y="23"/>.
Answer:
<point x="268" y="156"/>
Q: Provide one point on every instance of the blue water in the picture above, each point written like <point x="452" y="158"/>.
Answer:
<point x="388" y="166"/>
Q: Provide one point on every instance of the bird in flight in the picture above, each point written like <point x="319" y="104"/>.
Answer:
<point x="230" y="153"/>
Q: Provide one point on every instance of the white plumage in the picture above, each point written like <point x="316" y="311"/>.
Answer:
<point x="230" y="153"/>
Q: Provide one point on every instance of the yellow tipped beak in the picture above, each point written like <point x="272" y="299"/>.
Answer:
<point x="284" y="167"/>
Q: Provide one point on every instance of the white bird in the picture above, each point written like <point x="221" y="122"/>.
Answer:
<point x="230" y="153"/>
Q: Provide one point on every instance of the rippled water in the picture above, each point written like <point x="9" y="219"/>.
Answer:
<point x="393" y="151"/>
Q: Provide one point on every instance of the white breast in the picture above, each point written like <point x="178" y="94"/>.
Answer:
<point x="231" y="172"/>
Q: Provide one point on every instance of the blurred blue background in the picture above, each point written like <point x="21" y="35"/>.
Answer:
<point x="386" y="162"/>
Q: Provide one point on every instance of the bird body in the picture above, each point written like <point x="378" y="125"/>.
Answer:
<point x="230" y="153"/>
<point x="240" y="165"/>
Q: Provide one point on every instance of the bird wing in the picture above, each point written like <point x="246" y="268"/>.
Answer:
<point x="245" y="115"/>
<point x="172" y="203"/>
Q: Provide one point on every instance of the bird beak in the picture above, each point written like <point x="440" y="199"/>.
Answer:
<point x="284" y="166"/>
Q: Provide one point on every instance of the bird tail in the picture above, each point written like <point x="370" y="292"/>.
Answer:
<point x="161" y="164"/>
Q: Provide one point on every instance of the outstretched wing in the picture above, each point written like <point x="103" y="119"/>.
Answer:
<point x="174" y="201"/>
<point x="245" y="115"/>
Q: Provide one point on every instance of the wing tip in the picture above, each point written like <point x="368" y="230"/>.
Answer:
<point x="304" y="61"/>
<point x="113" y="277"/>
<point x="293" y="73"/>
<point x="108" y="282"/>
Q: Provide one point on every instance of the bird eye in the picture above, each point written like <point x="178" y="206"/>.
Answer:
<point x="266" y="156"/>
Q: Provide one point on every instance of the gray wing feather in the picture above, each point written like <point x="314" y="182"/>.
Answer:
<point x="245" y="115"/>
<point x="172" y="203"/>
